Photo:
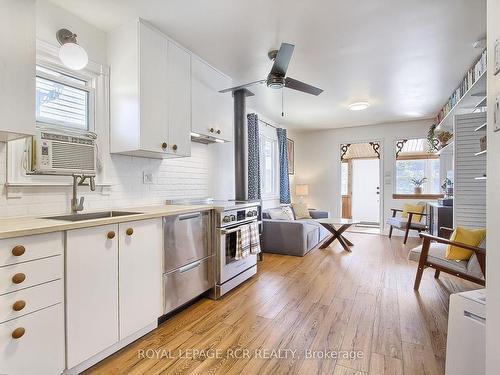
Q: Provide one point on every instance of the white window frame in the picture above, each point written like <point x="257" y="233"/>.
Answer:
<point x="88" y="87"/>
<point x="275" y="168"/>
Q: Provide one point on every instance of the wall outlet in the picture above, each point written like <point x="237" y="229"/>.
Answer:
<point x="147" y="178"/>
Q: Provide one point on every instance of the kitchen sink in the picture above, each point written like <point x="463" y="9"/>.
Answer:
<point x="91" y="216"/>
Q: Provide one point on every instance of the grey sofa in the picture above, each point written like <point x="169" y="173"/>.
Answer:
<point x="292" y="237"/>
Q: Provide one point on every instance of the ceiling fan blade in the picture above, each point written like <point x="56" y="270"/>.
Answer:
<point x="243" y="86"/>
<point x="301" y="86"/>
<point x="282" y="59"/>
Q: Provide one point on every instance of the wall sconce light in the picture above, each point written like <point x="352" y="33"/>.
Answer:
<point x="71" y="53"/>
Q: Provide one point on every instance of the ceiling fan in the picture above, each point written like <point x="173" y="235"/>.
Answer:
<point x="277" y="77"/>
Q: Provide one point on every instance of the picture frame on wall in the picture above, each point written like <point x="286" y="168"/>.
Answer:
<point x="291" y="155"/>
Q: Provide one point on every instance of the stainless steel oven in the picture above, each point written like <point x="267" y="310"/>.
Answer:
<point x="230" y="272"/>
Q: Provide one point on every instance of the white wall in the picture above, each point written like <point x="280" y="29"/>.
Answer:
<point x="493" y="205"/>
<point x="317" y="160"/>
<point x="184" y="177"/>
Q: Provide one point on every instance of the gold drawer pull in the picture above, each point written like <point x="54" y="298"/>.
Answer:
<point x="129" y="231"/>
<point x="18" y="333"/>
<point x="19" y="305"/>
<point x="18" y="250"/>
<point x="18" y="278"/>
<point x="111" y="235"/>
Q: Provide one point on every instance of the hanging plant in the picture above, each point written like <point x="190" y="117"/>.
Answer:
<point x="431" y="136"/>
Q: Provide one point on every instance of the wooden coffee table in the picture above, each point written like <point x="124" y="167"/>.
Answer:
<point x="336" y="227"/>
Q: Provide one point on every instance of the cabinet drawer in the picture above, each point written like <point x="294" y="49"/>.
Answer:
<point x="22" y="249"/>
<point x="188" y="282"/>
<point x="23" y="275"/>
<point x="40" y="349"/>
<point x="25" y="301"/>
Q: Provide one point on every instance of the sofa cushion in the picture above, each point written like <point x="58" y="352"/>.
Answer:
<point x="437" y="253"/>
<point x="413" y="208"/>
<point x="400" y="222"/>
<point x="472" y="237"/>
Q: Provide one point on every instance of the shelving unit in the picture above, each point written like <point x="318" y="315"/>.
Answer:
<point x="480" y="178"/>
<point x="449" y="145"/>
<point x="480" y="153"/>
<point x="472" y="100"/>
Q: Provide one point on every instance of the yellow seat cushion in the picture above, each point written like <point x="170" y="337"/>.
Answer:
<point x="471" y="237"/>
<point x="300" y="210"/>
<point x="413" y="208"/>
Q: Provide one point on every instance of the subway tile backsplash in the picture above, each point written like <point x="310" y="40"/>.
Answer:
<point x="189" y="177"/>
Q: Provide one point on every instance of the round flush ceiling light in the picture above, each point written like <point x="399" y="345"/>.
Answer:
<point x="358" y="106"/>
<point x="71" y="54"/>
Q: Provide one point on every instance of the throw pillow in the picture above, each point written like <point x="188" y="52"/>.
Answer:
<point x="471" y="237"/>
<point x="413" y="208"/>
<point x="281" y="213"/>
<point x="301" y="211"/>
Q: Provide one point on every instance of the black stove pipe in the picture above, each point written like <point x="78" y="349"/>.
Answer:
<point x="241" y="144"/>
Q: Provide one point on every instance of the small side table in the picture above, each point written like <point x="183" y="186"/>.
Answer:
<point x="336" y="227"/>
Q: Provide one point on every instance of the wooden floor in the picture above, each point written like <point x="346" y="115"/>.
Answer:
<point x="328" y="301"/>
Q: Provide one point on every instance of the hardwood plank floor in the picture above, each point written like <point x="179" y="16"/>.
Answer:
<point x="305" y="315"/>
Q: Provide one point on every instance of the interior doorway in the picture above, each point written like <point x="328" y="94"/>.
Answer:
<point x="360" y="180"/>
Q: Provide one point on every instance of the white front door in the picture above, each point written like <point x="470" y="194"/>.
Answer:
<point x="366" y="190"/>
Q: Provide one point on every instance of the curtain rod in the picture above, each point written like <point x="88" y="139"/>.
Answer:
<point x="268" y="124"/>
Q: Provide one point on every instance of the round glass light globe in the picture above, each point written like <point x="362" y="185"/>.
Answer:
<point x="73" y="56"/>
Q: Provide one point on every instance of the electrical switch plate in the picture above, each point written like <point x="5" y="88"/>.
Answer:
<point x="147" y="177"/>
<point x="496" y="114"/>
<point x="497" y="57"/>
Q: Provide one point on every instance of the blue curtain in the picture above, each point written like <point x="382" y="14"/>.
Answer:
<point x="253" y="157"/>
<point x="283" y="154"/>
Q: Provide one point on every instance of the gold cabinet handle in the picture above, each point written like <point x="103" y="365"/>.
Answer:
<point x="218" y="131"/>
<point x="111" y="235"/>
<point x="18" y="333"/>
<point x="18" y="250"/>
<point x="129" y="231"/>
<point x="174" y="147"/>
<point x="164" y="145"/>
<point x="212" y="130"/>
<point x="18" y="278"/>
<point x="19" y="305"/>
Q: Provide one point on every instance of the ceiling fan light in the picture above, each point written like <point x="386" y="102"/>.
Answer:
<point x="358" y="106"/>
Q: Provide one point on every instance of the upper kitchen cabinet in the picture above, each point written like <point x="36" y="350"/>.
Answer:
<point x="212" y="112"/>
<point x="17" y="69"/>
<point x="150" y="93"/>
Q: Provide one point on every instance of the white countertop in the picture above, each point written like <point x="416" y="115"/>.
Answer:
<point x="30" y="225"/>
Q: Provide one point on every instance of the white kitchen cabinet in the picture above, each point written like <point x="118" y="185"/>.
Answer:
<point x="212" y="111"/>
<point x="140" y="274"/>
<point x="150" y="93"/>
<point x="91" y="291"/>
<point x="17" y="72"/>
<point x="40" y="347"/>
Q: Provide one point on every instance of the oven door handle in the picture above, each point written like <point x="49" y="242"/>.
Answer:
<point x="229" y="231"/>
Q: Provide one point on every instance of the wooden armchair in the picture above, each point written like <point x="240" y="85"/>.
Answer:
<point x="406" y="223"/>
<point x="432" y="254"/>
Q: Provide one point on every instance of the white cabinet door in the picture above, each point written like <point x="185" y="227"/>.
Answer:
<point x="212" y="111"/>
<point x="17" y="68"/>
<point x="91" y="291"/>
<point x="179" y="100"/>
<point x="153" y="94"/>
<point x="140" y="274"/>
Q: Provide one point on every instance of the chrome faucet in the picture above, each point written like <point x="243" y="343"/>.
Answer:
<point x="78" y="180"/>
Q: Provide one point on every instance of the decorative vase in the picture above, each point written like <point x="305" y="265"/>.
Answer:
<point x="418" y="190"/>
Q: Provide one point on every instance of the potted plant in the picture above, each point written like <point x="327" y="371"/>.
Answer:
<point x="417" y="183"/>
<point x="443" y="137"/>
<point x="431" y="136"/>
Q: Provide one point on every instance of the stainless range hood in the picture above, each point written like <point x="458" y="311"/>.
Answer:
<point x="205" y="139"/>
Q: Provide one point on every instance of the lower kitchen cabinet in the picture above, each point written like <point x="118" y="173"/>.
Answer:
<point x="33" y="343"/>
<point x="91" y="291"/>
<point x="140" y="274"/>
<point x="113" y="285"/>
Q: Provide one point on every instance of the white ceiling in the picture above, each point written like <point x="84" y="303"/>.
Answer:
<point x="403" y="56"/>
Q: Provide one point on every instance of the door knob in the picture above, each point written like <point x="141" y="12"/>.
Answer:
<point x="18" y="250"/>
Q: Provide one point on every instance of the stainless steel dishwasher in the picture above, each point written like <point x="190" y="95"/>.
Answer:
<point x="188" y="258"/>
